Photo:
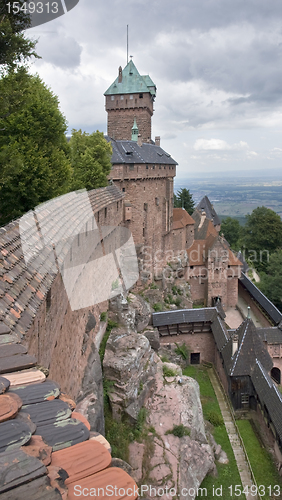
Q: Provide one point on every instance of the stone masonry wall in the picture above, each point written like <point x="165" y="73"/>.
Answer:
<point x="151" y="209"/>
<point x="202" y="343"/>
<point x="121" y="114"/>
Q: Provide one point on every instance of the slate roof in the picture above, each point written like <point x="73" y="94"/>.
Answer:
<point x="263" y="301"/>
<point x="128" y="152"/>
<point x="184" y="316"/>
<point x="250" y="349"/>
<point x="181" y="218"/>
<point x="220" y="333"/>
<point x="268" y="395"/>
<point x="202" y="231"/>
<point x="23" y="286"/>
<point x="271" y="335"/>
<point x="132" y="82"/>
<point x="206" y="206"/>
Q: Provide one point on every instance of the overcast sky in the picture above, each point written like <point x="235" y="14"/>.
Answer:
<point x="217" y="65"/>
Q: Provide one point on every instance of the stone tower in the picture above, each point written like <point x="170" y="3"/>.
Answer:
<point x="129" y="103"/>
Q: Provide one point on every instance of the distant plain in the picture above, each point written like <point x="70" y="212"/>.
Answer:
<point x="237" y="194"/>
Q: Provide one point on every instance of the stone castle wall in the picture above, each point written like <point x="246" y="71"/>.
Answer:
<point x="63" y="340"/>
<point x="202" y="343"/>
<point x="121" y="114"/>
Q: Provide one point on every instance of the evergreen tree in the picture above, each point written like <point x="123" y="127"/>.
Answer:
<point x="184" y="199"/>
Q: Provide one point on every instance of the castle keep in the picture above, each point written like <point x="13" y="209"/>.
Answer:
<point x="144" y="172"/>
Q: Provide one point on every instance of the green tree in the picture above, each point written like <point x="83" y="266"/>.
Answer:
<point x="90" y="159"/>
<point x="33" y="147"/>
<point x="271" y="280"/>
<point x="184" y="199"/>
<point x="262" y="235"/>
<point x="231" y="230"/>
<point x="15" y="48"/>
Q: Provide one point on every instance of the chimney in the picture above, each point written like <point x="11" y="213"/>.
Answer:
<point x="120" y="74"/>
<point x="157" y="140"/>
<point x="139" y="140"/>
<point x="234" y="344"/>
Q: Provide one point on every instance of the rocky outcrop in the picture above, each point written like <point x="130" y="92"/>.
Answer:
<point x="132" y="312"/>
<point x="154" y="338"/>
<point x="176" y="462"/>
<point x="90" y="401"/>
<point x="129" y="364"/>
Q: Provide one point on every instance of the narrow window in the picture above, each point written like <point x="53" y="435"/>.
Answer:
<point x="105" y="212"/>
<point x="78" y="240"/>
<point x="48" y="300"/>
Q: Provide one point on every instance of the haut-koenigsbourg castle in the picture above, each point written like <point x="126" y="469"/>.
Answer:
<point x="35" y="307"/>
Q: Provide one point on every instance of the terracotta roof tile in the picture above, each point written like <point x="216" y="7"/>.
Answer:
<point x="8" y="407"/>
<point x="82" y="460"/>
<point x="117" y="478"/>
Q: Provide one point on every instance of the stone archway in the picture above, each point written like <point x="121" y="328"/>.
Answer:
<point x="276" y="375"/>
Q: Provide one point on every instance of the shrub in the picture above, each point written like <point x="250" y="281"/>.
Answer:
<point x="157" y="307"/>
<point x="182" y="350"/>
<point x="153" y="286"/>
<point x="168" y="372"/>
<point x="214" y="418"/>
<point x="179" y="431"/>
<point x="177" y="301"/>
<point x="103" y="316"/>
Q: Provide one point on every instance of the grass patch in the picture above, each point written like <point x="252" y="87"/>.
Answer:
<point x="121" y="434"/>
<point x="261" y="461"/>
<point x="168" y="372"/>
<point x="158" y="307"/>
<point x="179" y="431"/>
<point x="228" y="475"/>
<point x="111" y="324"/>
<point x="165" y="359"/>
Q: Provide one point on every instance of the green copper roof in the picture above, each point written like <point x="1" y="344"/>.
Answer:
<point x="132" y="82"/>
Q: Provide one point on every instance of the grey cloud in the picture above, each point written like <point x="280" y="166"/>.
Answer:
<point x="60" y="50"/>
